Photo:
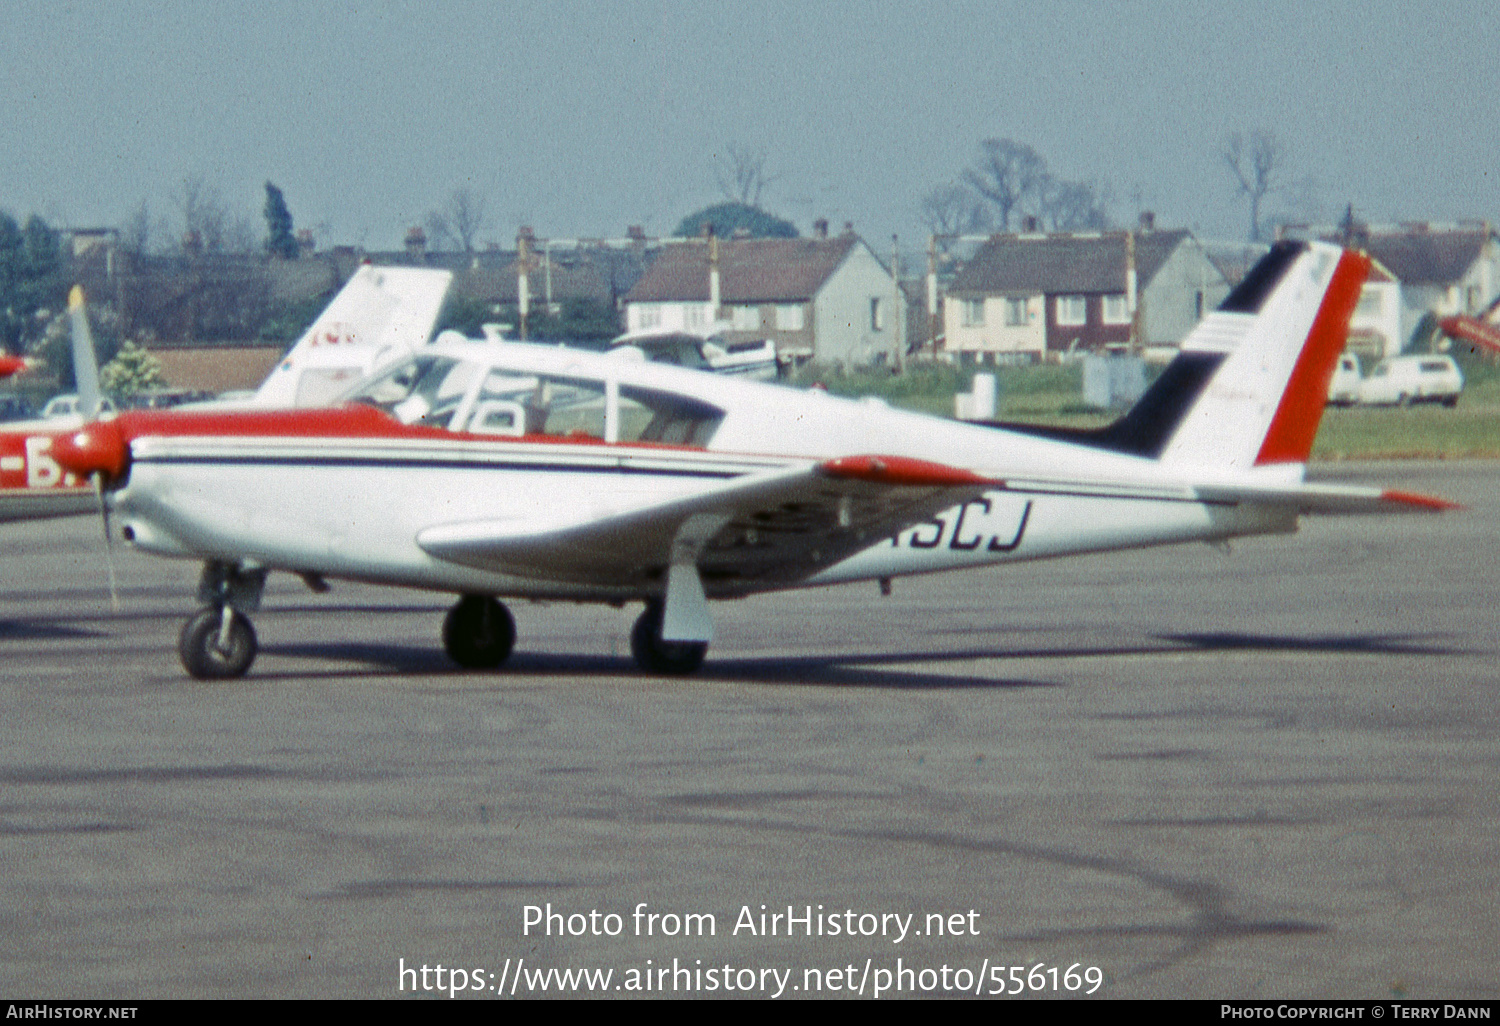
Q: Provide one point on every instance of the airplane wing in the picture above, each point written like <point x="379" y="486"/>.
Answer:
<point x="781" y="525"/>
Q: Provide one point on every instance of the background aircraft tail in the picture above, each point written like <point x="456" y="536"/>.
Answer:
<point x="381" y="314"/>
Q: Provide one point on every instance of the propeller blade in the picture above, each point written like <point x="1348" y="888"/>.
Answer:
<point x="85" y="359"/>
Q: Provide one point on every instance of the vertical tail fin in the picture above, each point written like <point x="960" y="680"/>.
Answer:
<point x="85" y="357"/>
<point x="381" y="313"/>
<point x="1269" y="352"/>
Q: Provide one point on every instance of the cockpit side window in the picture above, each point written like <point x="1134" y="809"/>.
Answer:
<point x="650" y="416"/>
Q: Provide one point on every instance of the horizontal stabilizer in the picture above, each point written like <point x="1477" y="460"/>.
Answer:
<point x="1340" y="500"/>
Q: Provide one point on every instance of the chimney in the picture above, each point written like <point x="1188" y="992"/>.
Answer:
<point x="820" y="228"/>
<point x="1029" y="225"/>
<point x="848" y="227"/>
<point x="192" y="244"/>
<point x="1148" y="221"/>
<point x="305" y="242"/>
<point x="524" y="239"/>
<point x="416" y="244"/>
<point x="713" y="274"/>
<point x="637" y="236"/>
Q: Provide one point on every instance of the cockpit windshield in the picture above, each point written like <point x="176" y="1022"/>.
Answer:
<point x="426" y="390"/>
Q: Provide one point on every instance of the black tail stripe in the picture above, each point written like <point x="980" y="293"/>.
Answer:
<point x="1262" y="279"/>
<point x="1151" y="422"/>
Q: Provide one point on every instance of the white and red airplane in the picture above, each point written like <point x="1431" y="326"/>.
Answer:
<point x="539" y="472"/>
<point x="380" y="315"/>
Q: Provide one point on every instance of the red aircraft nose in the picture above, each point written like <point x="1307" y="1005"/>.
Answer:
<point x="96" y="448"/>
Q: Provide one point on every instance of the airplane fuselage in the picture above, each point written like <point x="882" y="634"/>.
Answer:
<point x="32" y="485"/>
<point x="353" y="500"/>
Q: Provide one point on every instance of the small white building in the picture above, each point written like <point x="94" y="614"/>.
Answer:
<point x="1442" y="269"/>
<point x="820" y="298"/>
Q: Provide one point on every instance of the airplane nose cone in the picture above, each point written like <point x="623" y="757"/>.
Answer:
<point x="97" y="448"/>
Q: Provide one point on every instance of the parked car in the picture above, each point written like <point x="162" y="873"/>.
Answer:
<point x="1343" y="390"/>
<point x="164" y="398"/>
<point x="1402" y="380"/>
<point x="16" y="407"/>
<point x="67" y="406"/>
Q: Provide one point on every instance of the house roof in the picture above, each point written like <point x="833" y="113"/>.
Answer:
<point x="1429" y="256"/>
<point x="1063" y="262"/>
<point x="750" y="270"/>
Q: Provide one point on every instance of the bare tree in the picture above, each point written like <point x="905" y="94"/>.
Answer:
<point x="1073" y="206"/>
<point x="1255" y="162"/>
<point x="440" y="235"/>
<point x="459" y="223"/>
<point x="954" y="210"/>
<point x="1008" y="174"/>
<point x="466" y="213"/>
<point x="135" y="232"/>
<point x="742" y="176"/>
<point x="205" y="218"/>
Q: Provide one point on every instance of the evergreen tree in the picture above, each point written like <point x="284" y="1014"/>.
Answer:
<point x="31" y="277"/>
<point x="726" y="217"/>
<point x="132" y="370"/>
<point x="281" y="241"/>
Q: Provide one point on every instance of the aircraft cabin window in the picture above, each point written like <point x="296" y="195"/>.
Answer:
<point x="510" y="403"/>
<point x="649" y="416"/>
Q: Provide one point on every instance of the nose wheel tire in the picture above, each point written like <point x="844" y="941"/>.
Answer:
<point x="209" y="651"/>
<point x="654" y="655"/>
<point x="478" y="633"/>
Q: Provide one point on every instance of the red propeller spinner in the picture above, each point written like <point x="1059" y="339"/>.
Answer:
<point x="99" y="447"/>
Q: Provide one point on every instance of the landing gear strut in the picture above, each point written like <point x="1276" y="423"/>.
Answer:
<point x="478" y="632"/>
<point x="654" y="655"/>
<point x="219" y="641"/>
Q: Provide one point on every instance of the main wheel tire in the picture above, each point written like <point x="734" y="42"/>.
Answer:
<point x="199" y="648"/>
<point x="478" y="633"/>
<point x="654" y="655"/>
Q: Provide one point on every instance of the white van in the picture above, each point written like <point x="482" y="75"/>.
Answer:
<point x="1343" y="390"/>
<point x="1413" y="379"/>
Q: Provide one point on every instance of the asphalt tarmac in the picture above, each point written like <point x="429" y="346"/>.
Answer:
<point x="1269" y="773"/>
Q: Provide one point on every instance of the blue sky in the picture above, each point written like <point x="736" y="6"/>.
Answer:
<point x="581" y="117"/>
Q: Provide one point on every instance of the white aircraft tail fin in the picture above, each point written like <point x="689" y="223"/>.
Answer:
<point x="1266" y="356"/>
<point x="1248" y="387"/>
<point x="381" y="314"/>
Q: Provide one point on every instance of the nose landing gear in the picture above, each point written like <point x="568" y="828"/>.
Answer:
<point x="219" y="641"/>
<point x="217" y="644"/>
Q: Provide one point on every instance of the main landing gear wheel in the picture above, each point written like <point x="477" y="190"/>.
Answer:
<point x="478" y="633"/>
<point x="213" y="648"/>
<point x="654" y="655"/>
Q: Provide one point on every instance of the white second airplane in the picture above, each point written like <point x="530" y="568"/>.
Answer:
<point x="380" y="315"/>
<point x="527" y="471"/>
